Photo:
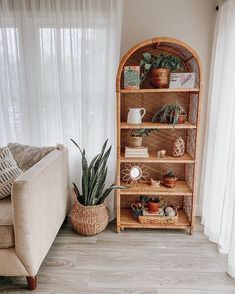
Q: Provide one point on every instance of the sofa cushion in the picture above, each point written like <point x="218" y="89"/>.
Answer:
<point x="26" y="156"/>
<point x="7" y="239"/>
<point x="9" y="171"/>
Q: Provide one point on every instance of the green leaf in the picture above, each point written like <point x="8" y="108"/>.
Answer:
<point x="147" y="66"/>
<point x="142" y="62"/>
<point x="147" y="56"/>
<point x="100" y="155"/>
<point x="108" y="191"/>
<point x="76" y="190"/>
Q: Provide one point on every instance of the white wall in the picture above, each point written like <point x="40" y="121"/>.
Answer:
<point x="191" y="21"/>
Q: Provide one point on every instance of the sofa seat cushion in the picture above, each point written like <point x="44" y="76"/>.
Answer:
<point x="7" y="238"/>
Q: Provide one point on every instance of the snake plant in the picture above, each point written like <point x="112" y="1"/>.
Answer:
<point x="93" y="178"/>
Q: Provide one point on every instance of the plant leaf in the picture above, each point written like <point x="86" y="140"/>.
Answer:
<point x="147" y="56"/>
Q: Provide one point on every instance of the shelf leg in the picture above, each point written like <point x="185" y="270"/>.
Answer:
<point x="190" y="231"/>
<point x="118" y="229"/>
<point x="122" y="228"/>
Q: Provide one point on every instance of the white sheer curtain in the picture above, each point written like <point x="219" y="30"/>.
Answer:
<point x="217" y="181"/>
<point x="58" y="61"/>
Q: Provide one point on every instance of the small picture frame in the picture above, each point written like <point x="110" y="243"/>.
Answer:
<point x="131" y="77"/>
<point x="182" y="80"/>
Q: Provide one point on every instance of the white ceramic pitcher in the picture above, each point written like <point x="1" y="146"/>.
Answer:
<point x="134" y="115"/>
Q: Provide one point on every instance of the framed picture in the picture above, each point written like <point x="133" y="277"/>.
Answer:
<point x="182" y="80"/>
<point x="131" y="77"/>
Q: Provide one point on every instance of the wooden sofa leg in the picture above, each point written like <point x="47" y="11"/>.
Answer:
<point x="32" y="282"/>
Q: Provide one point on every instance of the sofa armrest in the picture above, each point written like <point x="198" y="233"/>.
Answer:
<point x="40" y="201"/>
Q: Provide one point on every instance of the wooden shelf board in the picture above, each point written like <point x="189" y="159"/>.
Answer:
<point x="150" y="125"/>
<point x="128" y="221"/>
<point x="181" y="189"/>
<point x="195" y="90"/>
<point x="186" y="158"/>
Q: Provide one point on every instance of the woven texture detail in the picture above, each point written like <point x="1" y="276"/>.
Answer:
<point x="9" y="171"/>
<point x="89" y="220"/>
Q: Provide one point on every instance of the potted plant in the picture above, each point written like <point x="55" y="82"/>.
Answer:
<point x="89" y="214"/>
<point x="136" y="136"/>
<point x="172" y="113"/>
<point x="169" y="179"/>
<point x="160" y="67"/>
<point x="154" y="204"/>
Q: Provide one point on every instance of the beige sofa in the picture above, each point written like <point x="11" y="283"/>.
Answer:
<point x="31" y="218"/>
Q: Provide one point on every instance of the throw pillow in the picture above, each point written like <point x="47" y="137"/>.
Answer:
<point x="9" y="171"/>
<point x="26" y="156"/>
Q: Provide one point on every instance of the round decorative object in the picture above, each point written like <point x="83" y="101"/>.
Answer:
<point x="89" y="220"/>
<point x="169" y="209"/>
<point x="178" y="147"/>
<point x="134" y="173"/>
<point x="171" y="213"/>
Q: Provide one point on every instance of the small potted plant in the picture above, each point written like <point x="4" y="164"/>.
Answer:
<point x="160" y="68"/>
<point x="89" y="214"/>
<point x="169" y="179"/>
<point x="154" y="204"/>
<point x="172" y="113"/>
<point x="136" y="136"/>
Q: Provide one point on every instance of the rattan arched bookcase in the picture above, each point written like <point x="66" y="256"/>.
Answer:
<point x="185" y="167"/>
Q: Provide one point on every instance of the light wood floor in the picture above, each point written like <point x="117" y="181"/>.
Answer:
<point x="134" y="261"/>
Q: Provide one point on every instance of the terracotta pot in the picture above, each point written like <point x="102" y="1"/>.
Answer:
<point x="135" y="141"/>
<point x="89" y="220"/>
<point x="181" y="119"/>
<point x="153" y="207"/>
<point x="160" y="77"/>
<point x="169" y="182"/>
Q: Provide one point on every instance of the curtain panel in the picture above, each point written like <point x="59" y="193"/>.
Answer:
<point x="58" y="62"/>
<point x="217" y="191"/>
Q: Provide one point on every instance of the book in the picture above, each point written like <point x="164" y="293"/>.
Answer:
<point x="146" y="213"/>
<point x="182" y="80"/>
<point x="136" y="149"/>
<point x="136" y="152"/>
<point x="131" y="77"/>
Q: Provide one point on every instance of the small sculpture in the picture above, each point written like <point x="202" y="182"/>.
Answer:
<point x="169" y="211"/>
<point x="178" y="147"/>
<point x="161" y="153"/>
<point x="155" y="183"/>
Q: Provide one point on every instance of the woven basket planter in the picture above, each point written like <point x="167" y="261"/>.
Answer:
<point x="89" y="220"/>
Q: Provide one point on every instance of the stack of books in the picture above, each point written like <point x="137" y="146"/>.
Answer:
<point x="136" y="152"/>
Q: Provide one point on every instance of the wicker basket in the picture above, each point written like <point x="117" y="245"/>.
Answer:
<point x="148" y="219"/>
<point x="89" y="220"/>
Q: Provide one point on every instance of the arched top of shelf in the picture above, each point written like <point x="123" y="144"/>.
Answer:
<point x="166" y="45"/>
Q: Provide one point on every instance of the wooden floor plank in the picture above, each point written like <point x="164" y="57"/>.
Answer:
<point x="134" y="261"/>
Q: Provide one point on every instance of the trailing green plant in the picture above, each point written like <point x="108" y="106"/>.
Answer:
<point x="145" y="199"/>
<point x="150" y="61"/>
<point x="94" y="177"/>
<point x="170" y="174"/>
<point x="169" y="113"/>
<point x="142" y="132"/>
<point x="154" y="199"/>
